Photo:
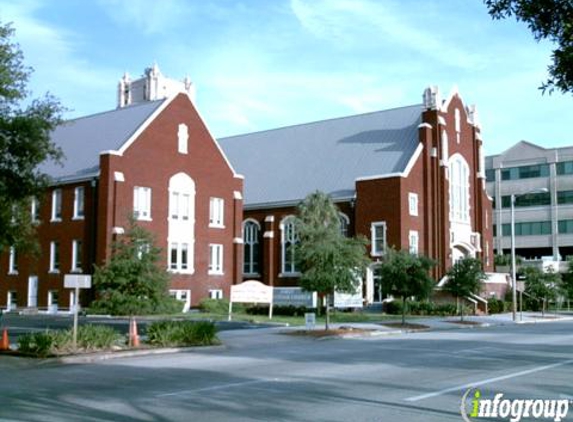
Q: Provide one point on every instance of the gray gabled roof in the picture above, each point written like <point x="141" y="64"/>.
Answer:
<point x="283" y="165"/>
<point x="83" y="139"/>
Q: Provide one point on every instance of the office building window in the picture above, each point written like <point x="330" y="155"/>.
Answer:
<point x="378" y="238"/>
<point x="525" y="172"/>
<point x="54" y="257"/>
<point x="529" y="228"/>
<point x="142" y="203"/>
<point x="216" y="212"/>
<point x="79" y="194"/>
<point x="215" y="259"/>
<point x="56" y="205"/>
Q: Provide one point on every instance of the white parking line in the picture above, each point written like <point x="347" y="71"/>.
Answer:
<point x="487" y="381"/>
<point x="217" y="387"/>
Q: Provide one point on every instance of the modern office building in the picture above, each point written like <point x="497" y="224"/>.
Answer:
<point x="541" y="180"/>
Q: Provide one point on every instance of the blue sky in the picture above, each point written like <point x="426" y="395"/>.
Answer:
<point x="260" y="64"/>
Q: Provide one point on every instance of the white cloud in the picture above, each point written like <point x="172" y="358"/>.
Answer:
<point x="366" y="22"/>
<point x="149" y="16"/>
<point x="55" y="54"/>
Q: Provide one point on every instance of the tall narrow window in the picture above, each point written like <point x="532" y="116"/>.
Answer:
<point x="35" y="210"/>
<point x="413" y="238"/>
<point x="79" y="194"/>
<point x="289" y="241"/>
<point x="54" y="257"/>
<point x="378" y="238"/>
<point x="174" y="205"/>
<point x="182" y="139"/>
<point x="413" y="204"/>
<point x="216" y="211"/>
<point x="77" y="256"/>
<point x="13" y="261"/>
<point x="459" y="189"/>
<point x="56" y="205"/>
<point x="344" y="223"/>
<point x="215" y="259"/>
<point x="251" y="231"/>
<point x="181" y="224"/>
<point x="142" y="203"/>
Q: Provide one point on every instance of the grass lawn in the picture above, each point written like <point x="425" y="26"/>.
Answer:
<point x="335" y="317"/>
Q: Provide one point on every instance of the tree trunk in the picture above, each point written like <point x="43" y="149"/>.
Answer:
<point x="403" y="310"/>
<point x="461" y="310"/>
<point x="327" y="319"/>
<point x="543" y="307"/>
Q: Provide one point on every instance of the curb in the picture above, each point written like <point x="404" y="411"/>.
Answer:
<point x="97" y="357"/>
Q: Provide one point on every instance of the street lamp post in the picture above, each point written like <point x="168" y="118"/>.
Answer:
<point x="513" y="275"/>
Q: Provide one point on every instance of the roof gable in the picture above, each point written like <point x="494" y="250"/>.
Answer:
<point x="83" y="139"/>
<point x="523" y="150"/>
<point x="283" y="165"/>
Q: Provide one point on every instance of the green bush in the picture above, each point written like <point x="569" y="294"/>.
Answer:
<point x="182" y="333"/>
<point x="219" y="306"/>
<point x="51" y="342"/>
<point x="37" y="344"/>
<point x="284" y="310"/>
<point x="424" y="308"/>
<point x="495" y="306"/>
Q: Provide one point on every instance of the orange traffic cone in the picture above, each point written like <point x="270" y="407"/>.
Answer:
<point x="5" y="344"/>
<point x="134" y="337"/>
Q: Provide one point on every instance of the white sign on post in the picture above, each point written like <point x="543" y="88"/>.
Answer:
<point x="251" y="291"/>
<point x="77" y="282"/>
<point x="80" y="281"/>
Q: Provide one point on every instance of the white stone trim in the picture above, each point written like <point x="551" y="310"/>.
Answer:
<point x="269" y="234"/>
<point x="238" y="240"/>
<point x="118" y="176"/>
<point x="424" y="125"/>
<point x="269" y="219"/>
<point x="237" y="195"/>
<point x="118" y="230"/>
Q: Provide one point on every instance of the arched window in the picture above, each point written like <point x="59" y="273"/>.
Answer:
<point x="251" y="245"/>
<point x="181" y="222"/>
<point x="459" y="189"/>
<point x="289" y="240"/>
<point x="344" y="223"/>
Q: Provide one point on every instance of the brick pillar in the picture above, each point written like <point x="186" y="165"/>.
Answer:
<point x="238" y="238"/>
<point x="268" y="250"/>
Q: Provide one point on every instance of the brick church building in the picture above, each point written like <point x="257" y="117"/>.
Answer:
<point x="222" y="211"/>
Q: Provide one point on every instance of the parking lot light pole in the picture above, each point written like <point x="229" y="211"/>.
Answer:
<point x="513" y="276"/>
<point x="513" y="272"/>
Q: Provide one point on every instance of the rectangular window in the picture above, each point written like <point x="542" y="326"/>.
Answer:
<point x="215" y="294"/>
<point x="174" y="205"/>
<point x="378" y="238"/>
<point x="216" y="210"/>
<point x="13" y="261"/>
<point x="173" y="256"/>
<point x="565" y="226"/>
<point x="184" y="256"/>
<point x="490" y="175"/>
<point x="142" y="203"/>
<point x="12" y="300"/>
<point x="76" y="256"/>
<point x="530" y="228"/>
<point x="54" y="257"/>
<point x="184" y="206"/>
<point x="565" y="167"/>
<point x="215" y="259"/>
<point x="79" y="194"/>
<point x="525" y="172"/>
<point x="413" y="203"/>
<point x="35" y="210"/>
<point x="528" y="200"/>
<point x="413" y="239"/>
<point x="565" y="197"/>
<point x="53" y="297"/>
<point x="56" y="205"/>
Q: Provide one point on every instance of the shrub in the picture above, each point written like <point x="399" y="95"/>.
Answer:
<point x="48" y="343"/>
<point x="495" y="306"/>
<point x="285" y="310"/>
<point x="182" y="333"/>
<point x="37" y="344"/>
<point x="424" y="308"/>
<point x="219" y="306"/>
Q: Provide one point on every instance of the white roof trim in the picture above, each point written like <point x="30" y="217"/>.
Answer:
<point x="424" y="125"/>
<point x="235" y="174"/>
<point x="405" y="173"/>
<point x="453" y="92"/>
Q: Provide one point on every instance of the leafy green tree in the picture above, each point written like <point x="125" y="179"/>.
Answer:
<point x="542" y="286"/>
<point x="567" y="280"/>
<point x="25" y="126"/>
<point x="328" y="260"/>
<point x="405" y="275"/>
<point x="464" y="279"/>
<point x="132" y="282"/>
<point x="547" y="19"/>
